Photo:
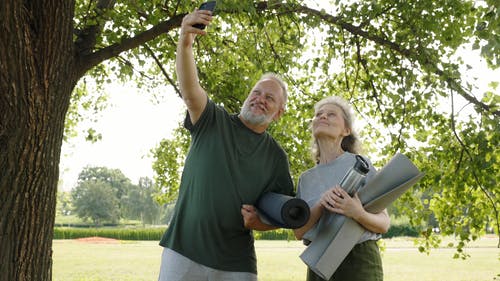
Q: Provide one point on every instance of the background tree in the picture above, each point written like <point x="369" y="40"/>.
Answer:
<point x="95" y="200"/>
<point x="169" y="159"/>
<point x="395" y="61"/>
<point x="151" y="210"/>
<point x="119" y="183"/>
<point x="64" y="204"/>
<point x="140" y="203"/>
<point x="114" y="177"/>
<point x="131" y="203"/>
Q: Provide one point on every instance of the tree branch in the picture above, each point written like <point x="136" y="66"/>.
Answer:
<point x="376" y="95"/>
<point x="165" y="73"/>
<point x="87" y="61"/>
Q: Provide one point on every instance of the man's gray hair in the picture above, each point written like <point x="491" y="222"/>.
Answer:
<point x="277" y="78"/>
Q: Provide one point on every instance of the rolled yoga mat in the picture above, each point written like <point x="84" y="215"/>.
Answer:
<point x="282" y="210"/>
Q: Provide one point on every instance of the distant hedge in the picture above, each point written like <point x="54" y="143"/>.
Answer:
<point x="116" y="233"/>
<point x="157" y="232"/>
<point x="149" y="233"/>
<point x="401" y="230"/>
<point x="278" y="234"/>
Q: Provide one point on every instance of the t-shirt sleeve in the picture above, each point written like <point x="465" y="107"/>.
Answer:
<point x="209" y="108"/>
<point x="284" y="182"/>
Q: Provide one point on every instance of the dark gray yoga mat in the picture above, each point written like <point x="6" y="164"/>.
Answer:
<point x="282" y="210"/>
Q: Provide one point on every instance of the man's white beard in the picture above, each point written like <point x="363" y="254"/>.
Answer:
<point x="252" y="118"/>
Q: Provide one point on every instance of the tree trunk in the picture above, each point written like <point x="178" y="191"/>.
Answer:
<point x="37" y="75"/>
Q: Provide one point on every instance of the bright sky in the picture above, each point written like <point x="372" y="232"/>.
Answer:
<point x="131" y="126"/>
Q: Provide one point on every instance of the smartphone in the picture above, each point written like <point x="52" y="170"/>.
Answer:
<point x="209" y="6"/>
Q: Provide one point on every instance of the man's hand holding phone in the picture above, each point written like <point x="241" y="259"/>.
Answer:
<point x="207" y="6"/>
<point x="195" y="22"/>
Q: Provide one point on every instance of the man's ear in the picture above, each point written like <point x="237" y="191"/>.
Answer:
<point x="278" y="114"/>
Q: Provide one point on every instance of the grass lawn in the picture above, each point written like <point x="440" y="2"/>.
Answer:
<point x="277" y="261"/>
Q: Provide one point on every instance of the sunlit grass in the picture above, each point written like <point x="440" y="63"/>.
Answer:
<point x="277" y="261"/>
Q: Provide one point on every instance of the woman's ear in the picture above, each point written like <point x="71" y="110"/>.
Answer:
<point x="347" y="132"/>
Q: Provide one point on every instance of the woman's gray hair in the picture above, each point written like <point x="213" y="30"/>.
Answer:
<point x="349" y="143"/>
<point x="277" y="78"/>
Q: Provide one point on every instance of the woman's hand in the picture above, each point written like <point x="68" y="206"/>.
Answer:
<point x="336" y="200"/>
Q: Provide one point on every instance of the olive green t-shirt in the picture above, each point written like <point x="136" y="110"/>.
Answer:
<point x="227" y="165"/>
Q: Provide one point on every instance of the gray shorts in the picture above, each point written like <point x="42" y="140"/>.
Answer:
<point x="176" y="267"/>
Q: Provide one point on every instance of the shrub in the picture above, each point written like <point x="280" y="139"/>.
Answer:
<point x="116" y="233"/>
<point x="277" y="234"/>
<point x="402" y="230"/>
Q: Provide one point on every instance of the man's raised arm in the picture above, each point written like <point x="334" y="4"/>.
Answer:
<point x="193" y="94"/>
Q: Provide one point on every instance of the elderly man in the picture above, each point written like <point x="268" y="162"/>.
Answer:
<point x="232" y="161"/>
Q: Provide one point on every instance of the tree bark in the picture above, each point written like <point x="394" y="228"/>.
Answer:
<point x="37" y="76"/>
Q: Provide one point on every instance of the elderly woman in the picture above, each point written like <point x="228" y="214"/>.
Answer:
<point x="334" y="147"/>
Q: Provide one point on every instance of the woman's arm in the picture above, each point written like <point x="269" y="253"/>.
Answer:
<point x="315" y="215"/>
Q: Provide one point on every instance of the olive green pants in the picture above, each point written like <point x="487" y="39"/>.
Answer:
<point x="363" y="263"/>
